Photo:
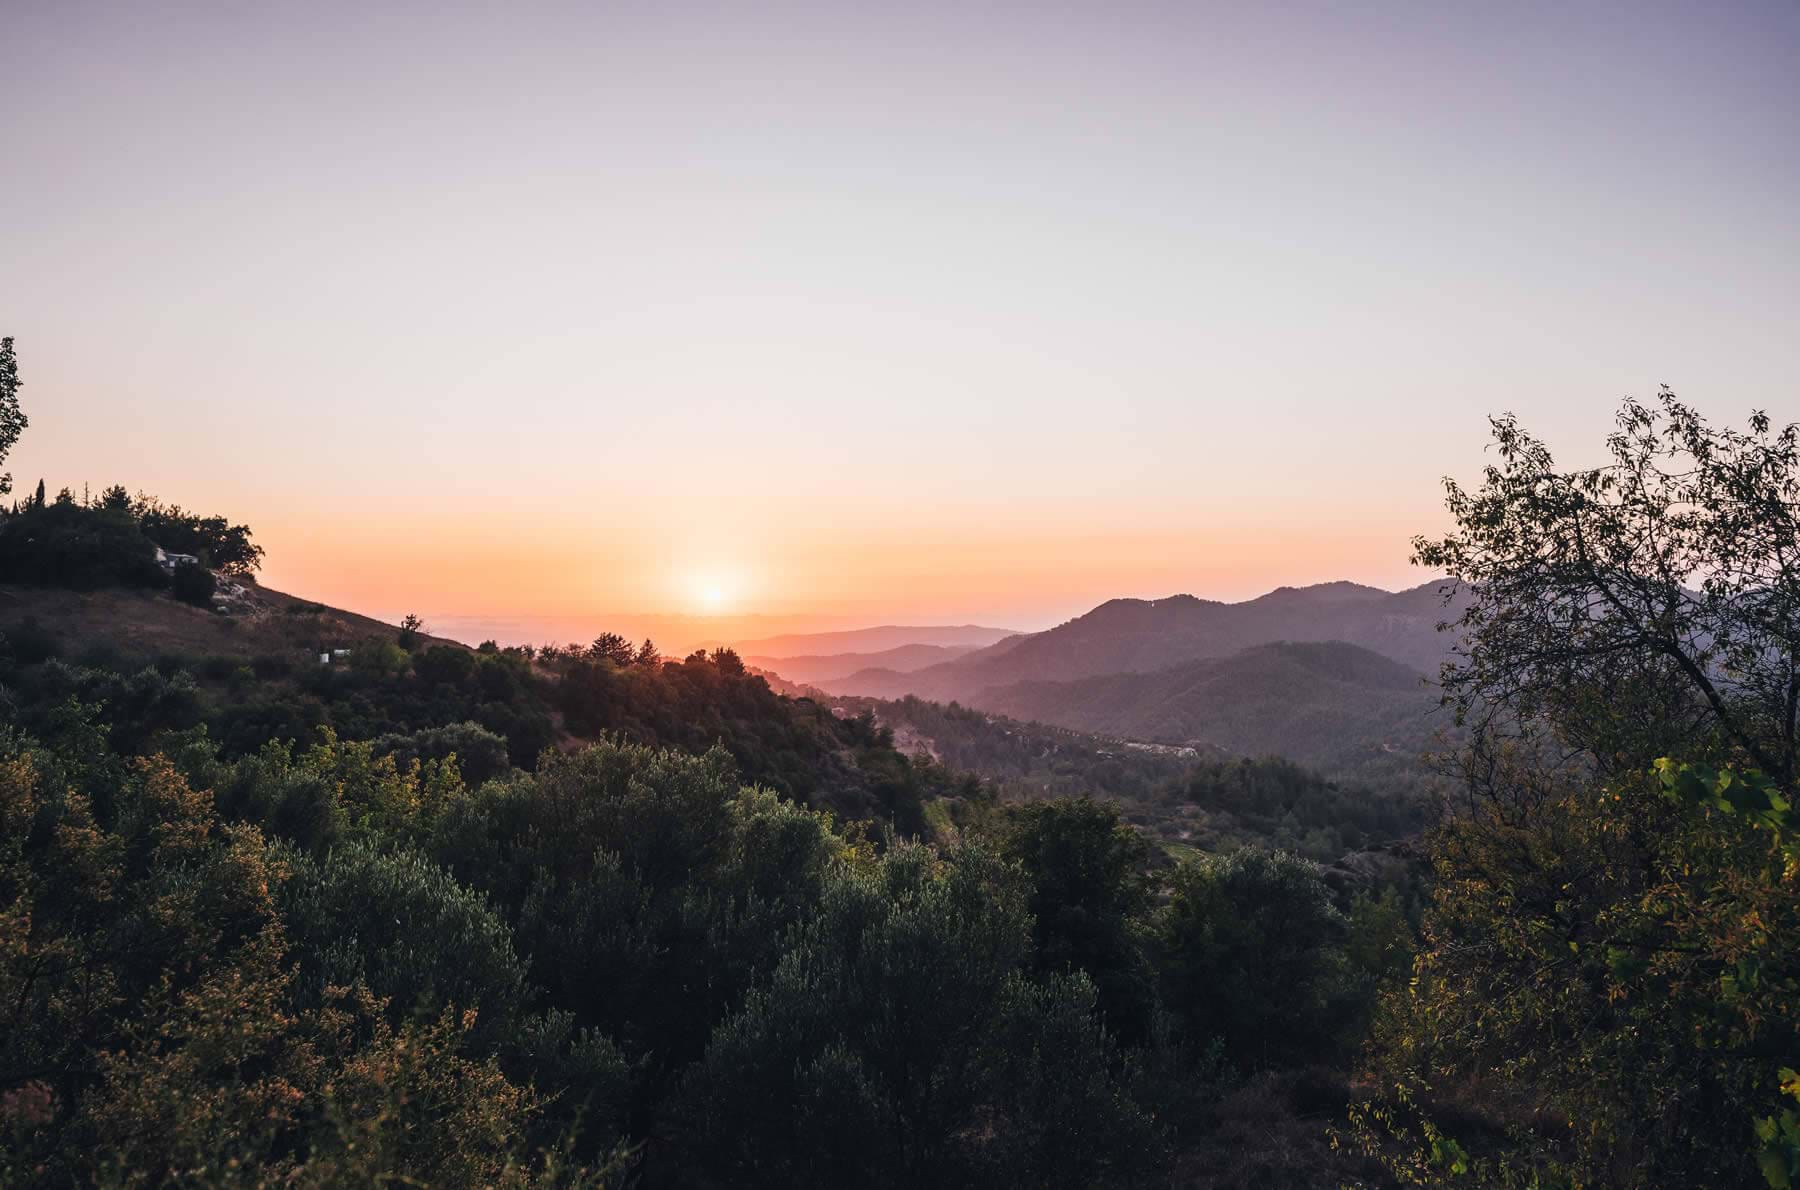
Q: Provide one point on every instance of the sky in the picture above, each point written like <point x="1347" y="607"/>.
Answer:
<point x="857" y="313"/>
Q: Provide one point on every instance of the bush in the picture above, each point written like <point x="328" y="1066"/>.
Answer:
<point x="444" y="664"/>
<point x="29" y="642"/>
<point x="193" y="584"/>
<point x="480" y="754"/>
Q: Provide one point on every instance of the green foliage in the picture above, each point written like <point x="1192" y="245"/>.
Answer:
<point x="378" y="658"/>
<point x="1088" y="892"/>
<point x="1640" y="606"/>
<point x="448" y="665"/>
<point x="792" y="746"/>
<point x="1610" y="937"/>
<point x="402" y="927"/>
<point x="480" y="755"/>
<point x="67" y="545"/>
<point x="1186" y="800"/>
<point x="1249" y="947"/>
<point x="12" y="420"/>
<point x="466" y="971"/>
<point x="218" y="544"/>
<point x="151" y="1035"/>
<point x="193" y="584"/>
<point x="112" y="542"/>
<point x="897" y="1018"/>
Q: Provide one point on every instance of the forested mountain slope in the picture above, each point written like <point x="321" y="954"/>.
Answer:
<point x="1330" y="705"/>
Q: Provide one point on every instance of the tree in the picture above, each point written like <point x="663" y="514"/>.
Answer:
<point x="421" y="941"/>
<point x="613" y="648"/>
<point x="193" y="584"/>
<point x="647" y="654"/>
<point x="1088" y="891"/>
<point x="1251" y="954"/>
<point x="450" y="665"/>
<point x="12" y="421"/>
<point x="480" y="754"/>
<point x="220" y="544"/>
<point x="899" y="1043"/>
<point x="1610" y="933"/>
<point x="1647" y="605"/>
<point x="411" y="627"/>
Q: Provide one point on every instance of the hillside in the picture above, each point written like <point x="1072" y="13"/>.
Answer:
<point x="148" y="665"/>
<point x="1334" y="706"/>
<point x="1141" y="636"/>
<point x="134" y="624"/>
<point x="1184" y="798"/>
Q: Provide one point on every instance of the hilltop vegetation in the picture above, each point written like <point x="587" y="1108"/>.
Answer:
<point x="113" y="540"/>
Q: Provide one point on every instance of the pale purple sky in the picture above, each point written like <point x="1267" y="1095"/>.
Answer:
<point x="890" y="311"/>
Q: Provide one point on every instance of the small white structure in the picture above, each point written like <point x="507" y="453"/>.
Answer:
<point x="169" y="561"/>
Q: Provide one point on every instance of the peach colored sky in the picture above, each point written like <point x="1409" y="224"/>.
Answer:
<point x="897" y="313"/>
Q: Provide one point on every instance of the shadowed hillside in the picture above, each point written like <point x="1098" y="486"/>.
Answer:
<point x="1332" y="705"/>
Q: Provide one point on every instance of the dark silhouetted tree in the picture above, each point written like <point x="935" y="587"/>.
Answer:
<point x="193" y="584"/>
<point x="610" y="646"/>
<point x="12" y="420"/>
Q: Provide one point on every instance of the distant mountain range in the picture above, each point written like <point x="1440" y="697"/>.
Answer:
<point x="869" y="641"/>
<point x="829" y="667"/>
<point x="1126" y="636"/>
<point x="1333" y="675"/>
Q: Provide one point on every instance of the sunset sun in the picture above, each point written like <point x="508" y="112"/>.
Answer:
<point x="712" y="592"/>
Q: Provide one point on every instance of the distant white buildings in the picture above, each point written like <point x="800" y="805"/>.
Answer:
<point x="169" y="561"/>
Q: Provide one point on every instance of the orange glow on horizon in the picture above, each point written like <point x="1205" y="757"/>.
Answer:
<point x="1007" y="578"/>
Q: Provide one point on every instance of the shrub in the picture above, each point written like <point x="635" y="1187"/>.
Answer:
<point x="193" y="584"/>
<point x="30" y="643"/>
